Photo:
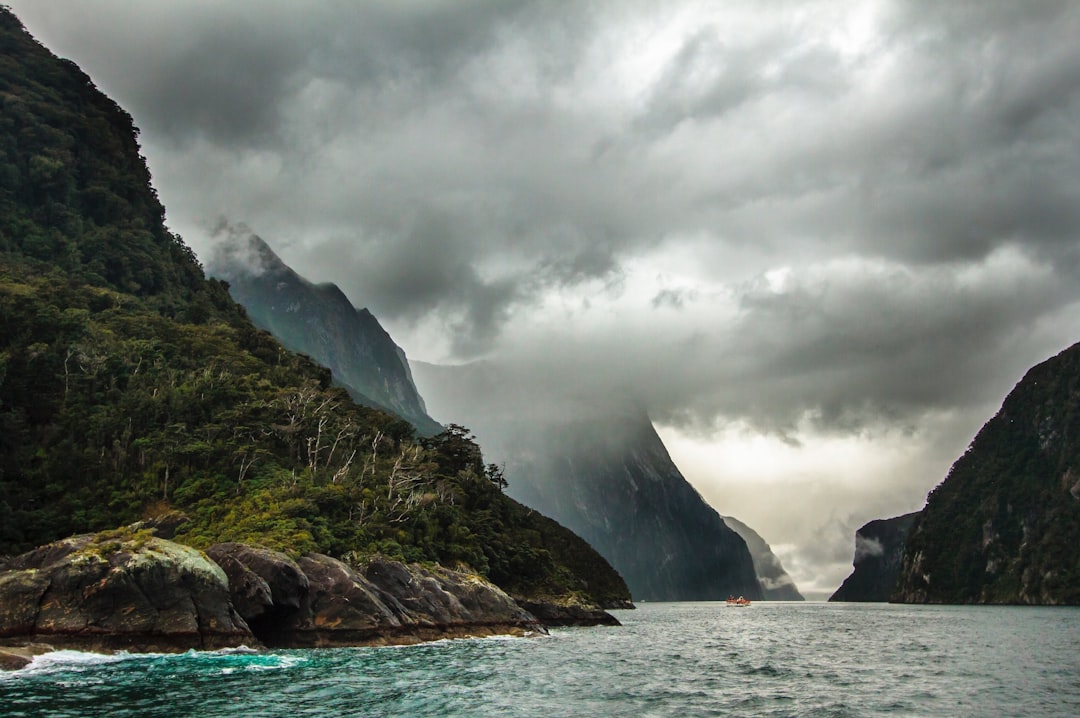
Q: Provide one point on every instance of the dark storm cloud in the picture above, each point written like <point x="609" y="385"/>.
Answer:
<point x="860" y="343"/>
<point x="427" y="267"/>
<point x="843" y="349"/>
<point x="226" y="83"/>
<point x="461" y="164"/>
<point x="227" y="70"/>
<point x="184" y="71"/>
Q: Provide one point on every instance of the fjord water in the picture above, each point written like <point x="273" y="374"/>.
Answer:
<point x="675" y="659"/>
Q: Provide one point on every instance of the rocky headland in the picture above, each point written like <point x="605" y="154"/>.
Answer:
<point x="131" y="590"/>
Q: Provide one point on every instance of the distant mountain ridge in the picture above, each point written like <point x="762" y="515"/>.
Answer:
<point x="1004" y="525"/>
<point x="320" y="321"/>
<point x="776" y="584"/>
<point x="608" y="477"/>
<point x="879" y="548"/>
<point x="598" y="467"/>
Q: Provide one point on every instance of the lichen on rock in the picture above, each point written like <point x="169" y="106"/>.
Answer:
<point x="118" y="590"/>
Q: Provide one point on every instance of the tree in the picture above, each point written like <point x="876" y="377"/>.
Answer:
<point x="497" y="475"/>
<point x="457" y="451"/>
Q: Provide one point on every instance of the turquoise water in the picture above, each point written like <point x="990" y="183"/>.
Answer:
<point x="676" y="659"/>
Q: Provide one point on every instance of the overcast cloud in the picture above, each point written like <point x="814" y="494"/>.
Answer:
<point x="825" y="226"/>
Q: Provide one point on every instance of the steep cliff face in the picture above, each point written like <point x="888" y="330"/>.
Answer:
<point x="879" y="548"/>
<point x="1004" y="525"/>
<point x="320" y="321"/>
<point x="600" y="469"/>
<point x="776" y="585"/>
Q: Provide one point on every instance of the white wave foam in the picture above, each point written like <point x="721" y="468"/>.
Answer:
<point x="248" y="659"/>
<point x="67" y="659"/>
<point x="239" y="650"/>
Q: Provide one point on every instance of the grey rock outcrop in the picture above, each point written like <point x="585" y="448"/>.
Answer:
<point x="265" y="586"/>
<point x="118" y="590"/>
<point x="129" y="590"/>
<point x="569" y="614"/>
<point x="12" y="658"/>
<point x="319" y="601"/>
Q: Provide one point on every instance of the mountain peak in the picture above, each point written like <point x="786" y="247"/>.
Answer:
<point x="320" y="321"/>
<point x="240" y="252"/>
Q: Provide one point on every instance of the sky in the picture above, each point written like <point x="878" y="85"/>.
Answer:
<point x="818" y="240"/>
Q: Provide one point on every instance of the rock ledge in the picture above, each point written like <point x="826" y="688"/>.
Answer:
<point x="130" y="590"/>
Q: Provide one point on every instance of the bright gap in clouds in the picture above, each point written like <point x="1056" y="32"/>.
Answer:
<point x="807" y="497"/>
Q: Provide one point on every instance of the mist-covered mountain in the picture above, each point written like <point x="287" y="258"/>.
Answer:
<point x="132" y="387"/>
<point x="776" y="585"/>
<point x="320" y="321"/>
<point x="597" y="466"/>
<point x="879" y="548"/>
<point x="605" y="471"/>
<point x="1004" y="525"/>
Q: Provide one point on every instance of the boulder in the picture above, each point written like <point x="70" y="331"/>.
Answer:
<point x="165" y="525"/>
<point x="265" y="586"/>
<point x="341" y="608"/>
<point x="12" y="658"/>
<point x="116" y="590"/>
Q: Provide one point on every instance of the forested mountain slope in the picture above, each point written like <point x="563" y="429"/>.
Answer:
<point x="320" y="321"/>
<point x="1004" y="525"/>
<point x="130" y="385"/>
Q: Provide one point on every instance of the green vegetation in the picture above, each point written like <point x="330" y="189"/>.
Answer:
<point x="130" y="385"/>
<point x="106" y="543"/>
<point x="1004" y="526"/>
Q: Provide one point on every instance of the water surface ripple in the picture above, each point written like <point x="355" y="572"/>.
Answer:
<point x="675" y="659"/>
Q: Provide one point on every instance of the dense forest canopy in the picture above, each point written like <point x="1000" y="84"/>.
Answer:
<point x="131" y="386"/>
